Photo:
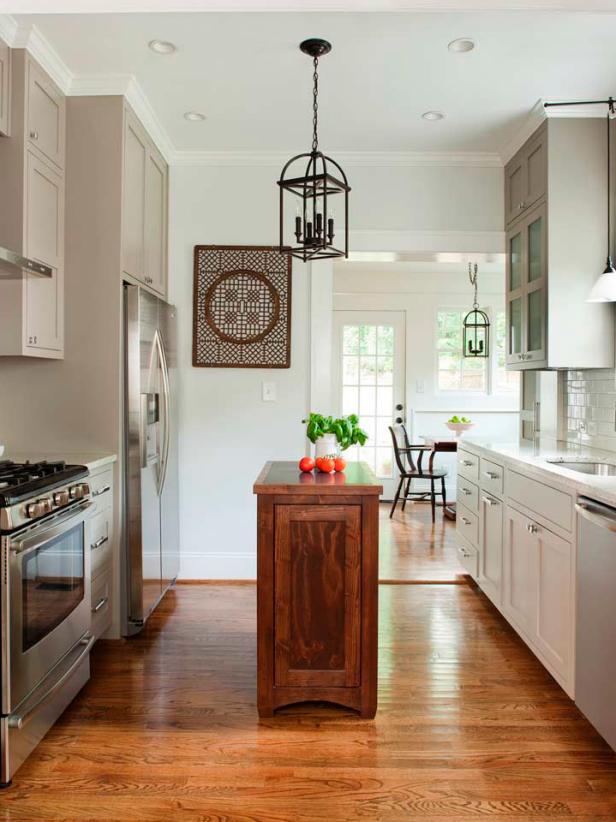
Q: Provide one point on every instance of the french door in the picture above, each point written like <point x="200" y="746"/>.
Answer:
<point x="368" y="368"/>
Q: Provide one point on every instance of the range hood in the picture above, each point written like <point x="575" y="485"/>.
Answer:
<point x="13" y="266"/>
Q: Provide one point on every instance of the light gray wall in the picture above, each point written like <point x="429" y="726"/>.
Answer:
<point x="226" y="431"/>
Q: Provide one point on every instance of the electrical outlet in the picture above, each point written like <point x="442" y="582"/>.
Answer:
<point x="268" y="391"/>
<point x="582" y="427"/>
<point x="420" y="386"/>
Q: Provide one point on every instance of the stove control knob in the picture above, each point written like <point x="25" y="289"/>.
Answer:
<point x="38" y="508"/>
<point x="61" y="497"/>
<point x="79" y="491"/>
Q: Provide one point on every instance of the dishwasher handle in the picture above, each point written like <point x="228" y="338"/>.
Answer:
<point x="585" y="510"/>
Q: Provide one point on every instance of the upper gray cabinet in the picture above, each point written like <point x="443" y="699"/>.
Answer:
<point x="45" y="115"/>
<point x="526" y="176"/>
<point x="32" y="218"/>
<point x="556" y="237"/>
<point x="144" y="210"/>
<point x="5" y="88"/>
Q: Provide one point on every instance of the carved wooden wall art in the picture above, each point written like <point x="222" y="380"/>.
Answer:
<point x="242" y="307"/>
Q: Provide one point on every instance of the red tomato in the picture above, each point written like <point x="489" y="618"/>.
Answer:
<point x="318" y="462"/>
<point x="339" y="464"/>
<point x="306" y="464"/>
<point x="326" y="466"/>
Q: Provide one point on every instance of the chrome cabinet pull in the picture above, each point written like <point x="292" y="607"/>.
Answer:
<point x="34" y="135"/>
<point x="464" y="552"/>
<point x="466" y="521"/>
<point x="489" y="501"/>
<point x="491" y="475"/>
<point x="99" y="542"/>
<point x="468" y="463"/>
<point x="532" y="528"/>
<point x="466" y="492"/>
<point x="102" y="490"/>
<point x="100" y="604"/>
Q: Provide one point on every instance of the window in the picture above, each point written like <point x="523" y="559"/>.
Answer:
<point x="458" y="373"/>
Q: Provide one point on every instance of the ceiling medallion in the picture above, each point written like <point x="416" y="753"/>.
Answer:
<point x="317" y="200"/>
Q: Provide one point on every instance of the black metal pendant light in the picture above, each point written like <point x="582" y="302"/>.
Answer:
<point x="314" y="207"/>
<point x="476" y="325"/>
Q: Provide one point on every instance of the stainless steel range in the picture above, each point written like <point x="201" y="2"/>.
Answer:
<point x="44" y="599"/>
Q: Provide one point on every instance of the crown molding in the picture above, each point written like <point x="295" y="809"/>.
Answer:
<point x="533" y="120"/>
<point x="8" y="28"/>
<point x="28" y="37"/>
<point x="382" y="159"/>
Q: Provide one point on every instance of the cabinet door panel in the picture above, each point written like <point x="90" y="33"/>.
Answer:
<point x="44" y="242"/>
<point x="536" y="170"/>
<point x="5" y="61"/>
<point x="45" y="117"/>
<point x="520" y="572"/>
<point x="515" y="188"/>
<point x="554" y="617"/>
<point x="491" y="547"/>
<point x="156" y="222"/>
<point x="133" y="212"/>
<point x="317" y="559"/>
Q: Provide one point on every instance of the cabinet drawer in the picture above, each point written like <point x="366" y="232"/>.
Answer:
<point x="468" y="494"/>
<point x="100" y="542"/>
<point x="101" y="486"/>
<point x="468" y="465"/>
<point x="467" y="524"/>
<point x="101" y="604"/>
<point x="468" y="557"/>
<point x="491" y="477"/>
<point x="555" y="506"/>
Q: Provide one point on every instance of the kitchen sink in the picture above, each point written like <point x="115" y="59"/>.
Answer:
<point x="598" y="469"/>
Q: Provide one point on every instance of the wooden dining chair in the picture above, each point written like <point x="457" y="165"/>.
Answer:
<point x="410" y="470"/>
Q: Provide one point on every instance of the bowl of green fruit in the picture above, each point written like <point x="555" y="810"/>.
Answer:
<point x="459" y="424"/>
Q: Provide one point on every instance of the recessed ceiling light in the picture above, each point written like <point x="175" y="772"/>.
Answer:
<point x="461" y="45"/>
<point x="433" y="115"/>
<point x="194" y="116"/>
<point x="162" y="46"/>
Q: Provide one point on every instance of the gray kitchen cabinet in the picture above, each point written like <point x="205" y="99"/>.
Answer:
<point x="526" y="267"/>
<point x="45" y="115"/>
<point x="5" y="88"/>
<point x="526" y="176"/>
<point x="144" y="220"/>
<point x="555" y="213"/>
<point x="32" y="219"/>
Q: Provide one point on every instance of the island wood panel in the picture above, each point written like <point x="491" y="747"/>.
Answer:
<point x="317" y="587"/>
<point x="317" y="558"/>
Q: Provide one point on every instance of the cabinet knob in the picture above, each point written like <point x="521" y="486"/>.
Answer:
<point x="399" y="420"/>
<point x="34" y="135"/>
<point x="532" y="528"/>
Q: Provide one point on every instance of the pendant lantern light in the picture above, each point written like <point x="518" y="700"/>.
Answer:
<point x="476" y="325"/>
<point x="604" y="290"/>
<point x="314" y="192"/>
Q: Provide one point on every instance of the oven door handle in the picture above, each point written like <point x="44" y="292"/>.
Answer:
<point x="56" y="528"/>
<point x="19" y="720"/>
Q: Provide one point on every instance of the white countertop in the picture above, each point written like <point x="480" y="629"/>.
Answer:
<point x="532" y="459"/>
<point x="91" y="459"/>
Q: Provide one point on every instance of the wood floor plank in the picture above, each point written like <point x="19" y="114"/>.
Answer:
<point x="470" y="725"/>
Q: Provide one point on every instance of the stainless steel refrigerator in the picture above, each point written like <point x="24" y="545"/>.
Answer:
<point x="151" y="537"/>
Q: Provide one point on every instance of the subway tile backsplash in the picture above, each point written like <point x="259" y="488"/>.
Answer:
<point x="590" y="408"/>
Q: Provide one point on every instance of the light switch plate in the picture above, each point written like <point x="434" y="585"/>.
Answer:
<point x="268" y="391"/>
<point x="419" y="386"/>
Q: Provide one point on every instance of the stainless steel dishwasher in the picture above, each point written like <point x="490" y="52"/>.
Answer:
<point x="595" y="675"/>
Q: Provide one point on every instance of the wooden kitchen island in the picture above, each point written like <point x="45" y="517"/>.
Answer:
<point x="317" y="587"/>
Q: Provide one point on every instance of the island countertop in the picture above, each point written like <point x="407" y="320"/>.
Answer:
<point x="286" y="478"/>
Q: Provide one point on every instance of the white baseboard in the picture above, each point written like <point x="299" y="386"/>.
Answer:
<point x="218" y="565"/>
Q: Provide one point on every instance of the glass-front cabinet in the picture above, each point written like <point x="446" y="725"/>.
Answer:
<point x="527" y="291"/>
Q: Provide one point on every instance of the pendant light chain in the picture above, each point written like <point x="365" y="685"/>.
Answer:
<point x="315" y="104"/>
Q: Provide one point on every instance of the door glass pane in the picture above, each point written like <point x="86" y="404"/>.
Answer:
<point x="52" y="584"/>
<point x="535" y="268"/>
<point x="367" y="390"/>
<point x="515" y="326"/>
<point x="515" y="262"/>
<point x="535" y="320"/>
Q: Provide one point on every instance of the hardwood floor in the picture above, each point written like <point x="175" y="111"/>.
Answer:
<point x="469" y="725"/>
<point x="411" y="548"/>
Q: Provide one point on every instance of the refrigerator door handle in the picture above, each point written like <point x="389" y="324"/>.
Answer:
<point x="166" y="402"/>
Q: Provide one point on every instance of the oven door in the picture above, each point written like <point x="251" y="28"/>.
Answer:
<point x="48" y="602"/>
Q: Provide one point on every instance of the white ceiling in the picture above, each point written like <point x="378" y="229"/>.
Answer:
<point x="245" y="72"/>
